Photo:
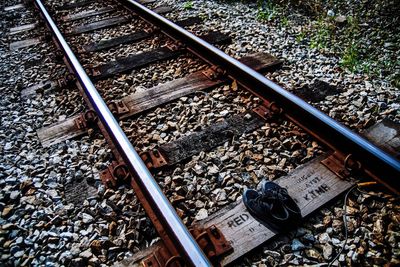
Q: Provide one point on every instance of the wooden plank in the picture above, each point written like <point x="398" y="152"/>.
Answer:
<point x="41" y="87"/>
<point x="111" y="22"/>
<point x="130" y="38"/>
<point x="386" y="135"/>
<point x="129" y="63"/>
<point x="147" y="1"/>
<point x="87" y="14"/>
<point x="132" y="62"/>
<point x="163" y="10"/>
<point x="107" y="44"/>
<point x="24" y="43"/>
<point x="59" y="132"/>
<point x="311" y="185"/>
<point x="72" y="5"/>
<point x="22" y="28"/>
<point x="164" y="93"/>
<point x="189" y="21"/>
<point x="14" y="7"/>
<point x="103" y="10"/>
<point x="98" y="25"/>
<point x="210" y="137"/>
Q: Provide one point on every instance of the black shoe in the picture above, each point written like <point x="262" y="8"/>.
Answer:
<point x="267" y="209"/>
<point x="274" y="190"/>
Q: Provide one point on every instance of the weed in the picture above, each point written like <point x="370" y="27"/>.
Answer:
<point x="284" y="21"/>
<point x="350" y="59"/>
<point x="300" y="37"/>
<point x="396" y="81"/>
<point x="188" y="5"/>
<point x="323" y="35"/>
<point x="267" y="10"/>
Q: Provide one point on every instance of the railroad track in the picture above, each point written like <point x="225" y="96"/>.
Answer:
<point x="217" y="239"/>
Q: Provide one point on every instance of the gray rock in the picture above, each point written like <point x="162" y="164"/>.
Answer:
<point x="327" y="251"/>
<point x="14" y="194"/>
<point x="87" y="218"/>
<point x="201" y="214"/>
<point x="272" y="253"/>
<point x="86" y="254"/>
<point x="324" y="238"/>
<point x="297" y="245"/>
<point x="8" y="146"/>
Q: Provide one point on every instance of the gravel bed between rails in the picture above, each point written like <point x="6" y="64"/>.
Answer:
<point x="41" y="225"/>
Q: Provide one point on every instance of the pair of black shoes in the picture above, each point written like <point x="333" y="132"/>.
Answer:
<point x="273" y="207"/>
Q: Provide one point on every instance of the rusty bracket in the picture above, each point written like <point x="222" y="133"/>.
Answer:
<point x="268" y="110"/>
<point x="161" y="257"/>
<point x="118" y="107"/>
<point x="214" y="73"/>
<point x="151" y="30"/>
<point x="175" y="46"/>
<point x="263" y="112"/>
<point x="85" y="120"/>
<point x="342" y="165"/>
<point x="116" y="173"/>
<point x="211" y="241"/>
<point x="68" y="80"/>
<point x="92" y="70"/>
<point x="154" y="159"/>
<point x="59" y="55"/>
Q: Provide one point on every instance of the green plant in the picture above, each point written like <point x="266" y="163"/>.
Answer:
<point x="323" y="35"/>
<point x="267" y="10"/>
<point x="300" y="36"/>
<point x="350" y="59"/>
<point x="396" y="81"/>
<point x="188" y="5"/>
<point x="284" y="21"/>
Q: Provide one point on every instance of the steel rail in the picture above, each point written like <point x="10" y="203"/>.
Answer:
<point x="375" y="162"/>
<point x="175" y="228"/>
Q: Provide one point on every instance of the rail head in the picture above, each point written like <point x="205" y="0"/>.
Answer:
<point x="176" y="230"/>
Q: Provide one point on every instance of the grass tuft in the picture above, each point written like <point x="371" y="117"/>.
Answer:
<point x="267" y="10"/>
<point x="188" y="5"/>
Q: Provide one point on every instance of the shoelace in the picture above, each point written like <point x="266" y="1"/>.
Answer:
<point x="276" y="194"/>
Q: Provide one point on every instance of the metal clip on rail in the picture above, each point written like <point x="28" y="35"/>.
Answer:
<point x="117" y="173"/>
<point x="154" y="159"/>
<point x="211" y="241"/>
<point x="341" y="165"/>
<point x="214" y="73"/>
<point x="67" y="81"/>
<point x="118" y="108"/>
<point x="87" y="119"/>
<point x="268" y="110"/>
